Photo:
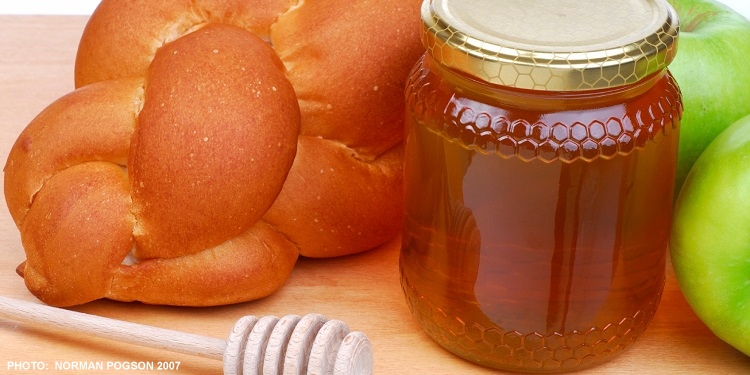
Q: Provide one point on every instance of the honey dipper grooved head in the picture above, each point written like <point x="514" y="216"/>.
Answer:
<point x="296" y="345"/>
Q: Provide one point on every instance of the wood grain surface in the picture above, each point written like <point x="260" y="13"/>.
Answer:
<point x="36" y="67"/>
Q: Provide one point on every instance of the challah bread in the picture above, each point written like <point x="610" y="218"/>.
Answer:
<point x="209" y="144"/>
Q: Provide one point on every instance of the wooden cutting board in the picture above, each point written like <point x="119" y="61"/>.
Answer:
<point x="36" y="67"/>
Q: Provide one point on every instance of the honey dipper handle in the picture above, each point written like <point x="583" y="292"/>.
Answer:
<point x="117" y="330"/>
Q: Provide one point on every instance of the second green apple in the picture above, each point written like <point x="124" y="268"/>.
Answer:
<point x="710" y="239"/>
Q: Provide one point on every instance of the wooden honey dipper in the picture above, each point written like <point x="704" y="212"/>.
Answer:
<point x="310" y="344"/>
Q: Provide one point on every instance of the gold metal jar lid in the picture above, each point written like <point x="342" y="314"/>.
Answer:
<point x="553" y="45"/>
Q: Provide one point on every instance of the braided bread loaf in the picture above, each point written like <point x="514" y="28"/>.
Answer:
<point x="210" y="143"/>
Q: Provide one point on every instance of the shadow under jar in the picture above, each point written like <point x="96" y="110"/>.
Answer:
<point x="541" y="149"/>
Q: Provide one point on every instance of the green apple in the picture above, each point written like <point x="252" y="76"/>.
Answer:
<point x="712" y="67"/>
<point x="710" y="239"/>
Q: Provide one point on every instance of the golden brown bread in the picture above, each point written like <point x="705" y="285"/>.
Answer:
<point x="209" y="144"/>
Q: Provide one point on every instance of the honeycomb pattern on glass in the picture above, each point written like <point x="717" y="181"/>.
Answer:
<point x="491" y="345"/>
<point x="566" y="142"/>
<point x="551" y="71"/>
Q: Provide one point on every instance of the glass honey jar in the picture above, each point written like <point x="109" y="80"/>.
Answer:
<point x="540" y="157"/>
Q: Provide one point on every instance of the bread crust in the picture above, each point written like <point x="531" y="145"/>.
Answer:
<point x="214" y="142"/>
<point x="209" y="144"/>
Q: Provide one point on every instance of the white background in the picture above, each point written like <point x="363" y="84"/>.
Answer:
<point x="87" y="6"/>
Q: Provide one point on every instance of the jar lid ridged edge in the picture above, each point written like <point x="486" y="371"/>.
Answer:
<point x="549" y="70"/>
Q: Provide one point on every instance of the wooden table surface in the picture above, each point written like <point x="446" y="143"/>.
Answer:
<point x="36" y="67"/>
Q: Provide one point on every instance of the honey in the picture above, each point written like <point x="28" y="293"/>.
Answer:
<point x="536" y="217"/>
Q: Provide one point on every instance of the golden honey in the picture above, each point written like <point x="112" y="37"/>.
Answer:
<point x="538" y="202"/>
